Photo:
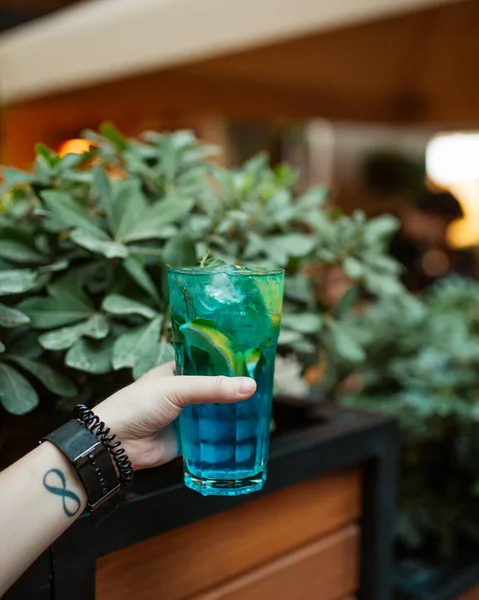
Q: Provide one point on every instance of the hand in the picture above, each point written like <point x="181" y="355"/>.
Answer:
<point x="141" y="414"/>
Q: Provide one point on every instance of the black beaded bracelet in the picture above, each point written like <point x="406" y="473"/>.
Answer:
<point x="102" y="432"/>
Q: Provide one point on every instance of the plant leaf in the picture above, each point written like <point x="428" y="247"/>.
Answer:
<point x="90" y="241"/>
<point x="158" y="354"/>
<point x="48" y="313"/>
<point x="47" y="154"/>
<point x="294" y="244"/>
<point x="51" y="379"/>
<point x="129" y="206"/>
<point x="130" y="346"/>
<point x="111" y="133"/>
<point x="348" y="300"/>
<point x="17" y="396"/>
<point x="102" y="183"/>
<point x="344" y="344"/>
<point x="116" y="304"/>
<point x="302" y="322"/>
<point x="138" y="273"/>
<point x="69" y="161"/>
<point x="313" y="199"/>
<point x="24" y="343"/>
<point x="91" y="356"/>
<point x="180" y="251"/>
<point x="13" y="177"/>
<point x="69" y="287"/>
<point x="380" y="229"/>
<point x="298" y="288"/>
<point x="287" y="336"/>
<point x="17" y="281"/>
<point x="59" y="265"/>
<point x="11" y="317"/>
<point x="158" y="218"/>
<point x="17" y="252"/>
<point x="381" y="284"/>
<point x="96" y="327"/>
<point x="352" y="267"/>
<point x="69" y="212"/>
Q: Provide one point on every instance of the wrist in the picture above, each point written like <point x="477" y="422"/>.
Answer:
<point x="115" y="422"/>
<point x="89" y="456"/>
<point x="108" y="440"/>
<point x="60" y="478"/>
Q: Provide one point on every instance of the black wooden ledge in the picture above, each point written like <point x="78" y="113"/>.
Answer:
<point x="159" y="502"/>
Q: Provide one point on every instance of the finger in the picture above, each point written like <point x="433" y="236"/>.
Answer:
<point x="181" y="390"/>
<point x="166" y="370"/>
<point x="155" y="401"/>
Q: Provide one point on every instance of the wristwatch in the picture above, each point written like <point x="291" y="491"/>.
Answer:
<point x="93" y="464"/>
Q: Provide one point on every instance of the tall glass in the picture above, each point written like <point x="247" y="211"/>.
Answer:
<point x="226" y="322"/>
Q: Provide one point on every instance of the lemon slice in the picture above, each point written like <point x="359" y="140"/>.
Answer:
<point x="204" y="335"/>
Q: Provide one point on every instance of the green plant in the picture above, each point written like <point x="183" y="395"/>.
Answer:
<point x="422" y="366"/>
<point x="85" y="239"/>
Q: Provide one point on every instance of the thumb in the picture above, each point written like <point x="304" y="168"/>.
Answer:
<point x="183" y="390"/>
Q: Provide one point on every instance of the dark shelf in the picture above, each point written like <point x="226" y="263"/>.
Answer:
<point x="330" y="439"/>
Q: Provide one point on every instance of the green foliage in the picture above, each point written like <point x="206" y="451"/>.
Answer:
<point x="85" y="240"/>
<point x="422" y="365"/>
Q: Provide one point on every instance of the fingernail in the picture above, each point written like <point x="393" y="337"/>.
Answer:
<point x="245" y="385"/>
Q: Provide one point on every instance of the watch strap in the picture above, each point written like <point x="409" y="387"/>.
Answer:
<point x="93" y="465"/>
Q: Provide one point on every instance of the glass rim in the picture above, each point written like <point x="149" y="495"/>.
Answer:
<point x="252" y="271"/>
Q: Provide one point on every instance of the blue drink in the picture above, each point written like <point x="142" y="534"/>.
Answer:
<point x="226" y="322"/>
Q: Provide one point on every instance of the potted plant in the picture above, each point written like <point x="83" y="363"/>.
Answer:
<point x="422" y="365"/>
<point x="84" y="240"/>
<point x="84" y="244"/>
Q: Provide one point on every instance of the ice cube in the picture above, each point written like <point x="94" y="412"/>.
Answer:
<point x="221" y="290"/>
<point x="244" y="452"/>
<point x="212" y="453"/>
<point x="217" y="432"/>
<point x="245" y="324"/>
<point x="246" y="429"/>
<point x="215" y="292"/>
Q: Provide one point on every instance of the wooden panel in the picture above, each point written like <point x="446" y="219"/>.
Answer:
<point x="212" y="551"/>
<point x="395" y="70"/>
<point x="324" y="570"/>
<point x="403" y="63"/>
<point x="472" y="594"/>
<point x="57" y="120"/>
<point x="134" y="105"/>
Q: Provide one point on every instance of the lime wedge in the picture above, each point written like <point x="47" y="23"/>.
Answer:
<point x="271" y="290"/>
<point x="252" y="358"/>
<point x="203" y="334"/>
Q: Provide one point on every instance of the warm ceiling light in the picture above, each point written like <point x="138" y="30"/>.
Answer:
<point x="452" y="163"/>
<point x="453" y="158"/>
<point x="74" y="146"/>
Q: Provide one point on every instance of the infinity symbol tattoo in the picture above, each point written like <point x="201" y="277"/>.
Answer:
<point x="62" y="491"/>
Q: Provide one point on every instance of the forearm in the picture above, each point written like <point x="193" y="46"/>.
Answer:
<point x="40" y="497"/>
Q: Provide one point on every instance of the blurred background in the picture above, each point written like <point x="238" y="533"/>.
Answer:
<point x="375" y="102"/>
<point x="351" y="95"/>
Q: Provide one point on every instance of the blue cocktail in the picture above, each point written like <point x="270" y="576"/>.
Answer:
<point x="226" y="322"/>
